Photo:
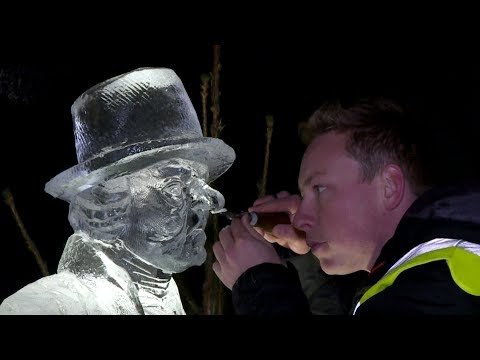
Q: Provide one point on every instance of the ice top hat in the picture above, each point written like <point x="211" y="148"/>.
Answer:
<point x="130" y="122"/>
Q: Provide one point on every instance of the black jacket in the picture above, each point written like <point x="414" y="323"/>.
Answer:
<point x="446" y="212"/>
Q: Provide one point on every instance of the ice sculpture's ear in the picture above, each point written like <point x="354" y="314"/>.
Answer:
<point x="100" y="211"/>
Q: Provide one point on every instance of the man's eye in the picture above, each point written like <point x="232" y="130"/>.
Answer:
<point x="319" y="188"/>
<point x="174" y="189"/>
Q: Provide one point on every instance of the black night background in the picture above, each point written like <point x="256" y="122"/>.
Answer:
<point x="442" y="83"/>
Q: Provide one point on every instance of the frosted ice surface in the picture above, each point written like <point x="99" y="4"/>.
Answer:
<point x="139" y="200"/>
<point x="88" y="282"/>
<point x="129" y="109"/>
<point x="160" y="213"/>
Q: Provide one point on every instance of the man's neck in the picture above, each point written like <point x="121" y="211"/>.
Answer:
<point x="144" y="275"/>
<point x="88" y="250"/>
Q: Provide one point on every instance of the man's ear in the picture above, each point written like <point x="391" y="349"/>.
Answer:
<point x="393" y="186"/>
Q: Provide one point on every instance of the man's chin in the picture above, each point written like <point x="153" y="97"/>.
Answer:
<point x="192" y="253"/>
<point x="201" y="257"/>
<point x="182" y="265"/>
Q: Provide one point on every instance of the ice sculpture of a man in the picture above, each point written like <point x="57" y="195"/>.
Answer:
<point x="139" y="200"/>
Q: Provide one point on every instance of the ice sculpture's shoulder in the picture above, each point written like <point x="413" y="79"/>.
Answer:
<point x="66" y="294"/>
<point x="51" y="295"/>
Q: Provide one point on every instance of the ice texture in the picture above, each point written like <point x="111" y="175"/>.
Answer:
<point x="139" y="200"/>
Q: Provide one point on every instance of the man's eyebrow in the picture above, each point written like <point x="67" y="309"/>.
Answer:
<point x="310" y="178"/>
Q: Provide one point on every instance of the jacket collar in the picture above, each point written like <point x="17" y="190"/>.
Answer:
<point x="451" y="211"/>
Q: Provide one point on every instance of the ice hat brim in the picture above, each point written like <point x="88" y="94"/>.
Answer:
<point x="113" y="163"/>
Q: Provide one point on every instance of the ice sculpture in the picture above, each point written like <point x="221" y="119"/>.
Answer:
<point x="139" y="200"/>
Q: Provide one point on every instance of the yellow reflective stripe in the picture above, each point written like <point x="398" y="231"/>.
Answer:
<point x="464" y="268"/>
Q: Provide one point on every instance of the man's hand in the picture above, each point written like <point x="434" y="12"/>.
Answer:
<point x="240" y="248"/>
<point x="283" y="234"/>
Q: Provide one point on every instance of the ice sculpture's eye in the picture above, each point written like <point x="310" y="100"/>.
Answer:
<point x="174" y="189"/>
<point x="173" y="193"/>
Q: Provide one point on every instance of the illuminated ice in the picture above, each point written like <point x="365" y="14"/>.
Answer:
<point x="159" y="213"/>
<point x="139" y="200"/>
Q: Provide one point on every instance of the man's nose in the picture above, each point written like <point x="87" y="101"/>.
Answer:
<point x="216" y="199"/>
<point x="304" y="217"/>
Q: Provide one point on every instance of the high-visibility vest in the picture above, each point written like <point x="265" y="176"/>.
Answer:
<point x="462" y="257"/>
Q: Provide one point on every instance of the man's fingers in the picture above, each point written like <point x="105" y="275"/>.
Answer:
<point x="216" y="268"/>
<point x="289" y="237"/>
<point x="218" y="247"/>
<point x="299" y="247"/>
<point x="271" y="238"/>
<point x="218" y="252"/>
<point x="279" y="195"/>
<point x="282" y="194"/>
<point x="263" y="199"/>
<point x="226" y="239"/>
<point x="283" y="234"/>
<point x="288" y="232"/>
<point x="288" y="204"/>
<point x="260" y="231"/>
<point x="242" y="230"/>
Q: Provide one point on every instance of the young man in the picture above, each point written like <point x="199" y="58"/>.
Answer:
<point x="362" y="207"/>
